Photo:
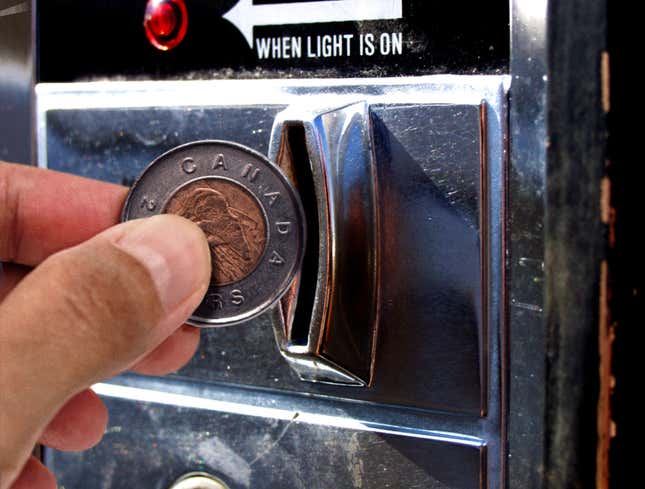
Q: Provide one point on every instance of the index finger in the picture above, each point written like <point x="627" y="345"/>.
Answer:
<point x="42" y="211"/>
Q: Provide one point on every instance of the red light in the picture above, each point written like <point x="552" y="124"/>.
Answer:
<point x="166" y="22"/>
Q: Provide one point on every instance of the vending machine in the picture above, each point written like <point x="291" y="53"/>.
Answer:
<point x="435" y="321"/>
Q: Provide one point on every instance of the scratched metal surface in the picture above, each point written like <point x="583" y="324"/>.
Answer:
<point x="435" y="319"/>
<point x="116" y="145"/>
<point x="150" y="445"/>
<point x="526" y="246"/>
<point x="438" y="358"/>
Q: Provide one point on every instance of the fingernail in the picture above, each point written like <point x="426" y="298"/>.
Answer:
<point x="176" y="254"/>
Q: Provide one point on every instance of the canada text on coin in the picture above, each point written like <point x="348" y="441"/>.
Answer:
<point x="250" y="213"/>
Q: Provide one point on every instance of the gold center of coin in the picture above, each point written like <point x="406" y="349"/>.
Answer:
<point x="232" y="220"/>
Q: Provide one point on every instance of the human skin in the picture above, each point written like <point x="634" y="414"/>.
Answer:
<point x="83" y="299"/>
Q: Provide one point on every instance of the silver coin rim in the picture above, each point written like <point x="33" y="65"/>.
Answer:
<point x="265" y="306"/>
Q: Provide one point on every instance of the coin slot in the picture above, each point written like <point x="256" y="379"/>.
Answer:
<point x="328" y="321"/>
<point x="303" y="180"/>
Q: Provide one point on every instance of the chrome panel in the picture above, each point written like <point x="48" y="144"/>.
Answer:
<point x="435" y="316"/>
<point x="261" y="448"/>
<point x="439" y="148"/>
<point x="526" y="348"/>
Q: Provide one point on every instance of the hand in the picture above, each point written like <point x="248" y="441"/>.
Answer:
<point x="99" y="301"/>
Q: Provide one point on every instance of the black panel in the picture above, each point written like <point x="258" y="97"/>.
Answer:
<point x="626" y="258"/>
<point x="105" y="38"/>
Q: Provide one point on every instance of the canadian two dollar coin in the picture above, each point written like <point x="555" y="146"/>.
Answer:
<point x="249" y="212"/>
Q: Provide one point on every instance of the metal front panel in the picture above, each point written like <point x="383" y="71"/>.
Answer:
<point x="438" y="148"/>
<point x="150" y="445"/>
<point x="526" y="246"/>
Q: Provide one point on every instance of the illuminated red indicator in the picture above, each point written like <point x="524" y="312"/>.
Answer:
<point x="166" y="22"/>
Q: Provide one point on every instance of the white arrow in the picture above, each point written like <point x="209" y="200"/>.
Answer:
<point x="244" y="15"/>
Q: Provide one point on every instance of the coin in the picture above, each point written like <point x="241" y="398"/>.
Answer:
<point x="251" y="216"/>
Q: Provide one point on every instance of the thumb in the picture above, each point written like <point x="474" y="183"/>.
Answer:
<point x="88" y="313"/>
